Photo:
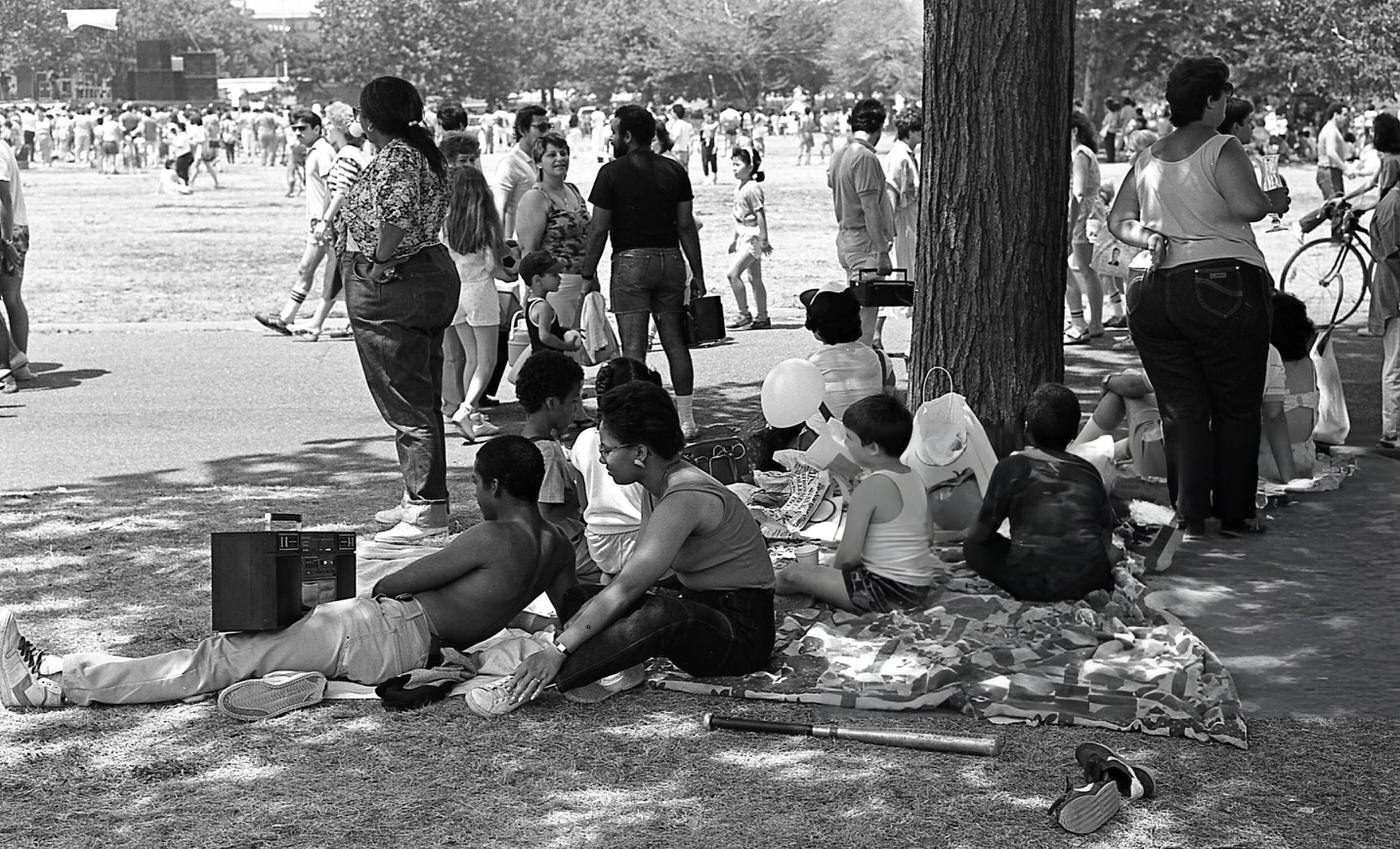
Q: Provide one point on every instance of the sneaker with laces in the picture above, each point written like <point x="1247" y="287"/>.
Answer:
<point x="492" y="700"/>
<point x="273" y="322"/>
<point x="744" y="320"/>
<point x="7" y="382"/>
<point x="272" y="695"/>
<point x="21" y="684"/>
<point x="1101" y="763"/>
<point x="1085" y="809"/>
<point x="608" y="686"/>
<point x="761" y="324"/>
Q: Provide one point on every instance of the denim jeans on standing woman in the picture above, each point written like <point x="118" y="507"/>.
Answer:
<point x="727" y="632"/>
<point x="1203" y="333"/>
<point x="398" y="329"/>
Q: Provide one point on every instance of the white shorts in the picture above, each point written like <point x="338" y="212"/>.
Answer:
<point x="610" y="551"/>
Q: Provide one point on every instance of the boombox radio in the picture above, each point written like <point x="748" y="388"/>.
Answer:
<point x="268" y="579"/>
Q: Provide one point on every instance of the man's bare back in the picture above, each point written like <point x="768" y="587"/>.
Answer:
<point x="483" y="578"/>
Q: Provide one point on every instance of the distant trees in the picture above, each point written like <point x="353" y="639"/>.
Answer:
<point x="1345" y="48"/>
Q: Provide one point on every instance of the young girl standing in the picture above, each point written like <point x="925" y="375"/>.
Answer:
<point x="472" y="232"/>
<point x="750" y="242"/>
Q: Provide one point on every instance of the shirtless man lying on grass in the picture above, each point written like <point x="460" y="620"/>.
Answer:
<point x="456" y="597"/>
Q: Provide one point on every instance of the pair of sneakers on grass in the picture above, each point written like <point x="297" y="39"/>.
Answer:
<point x="1108" y="780"/>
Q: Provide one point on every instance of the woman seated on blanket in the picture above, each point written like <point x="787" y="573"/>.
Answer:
<point x="1286" y="449"/>
<point x="851" y="369"/>
<point x="721" y="623"/>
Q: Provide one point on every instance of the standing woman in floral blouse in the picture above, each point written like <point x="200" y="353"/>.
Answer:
<point x="401" y="291"/>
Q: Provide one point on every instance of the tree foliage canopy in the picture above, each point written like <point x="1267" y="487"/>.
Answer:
<point x="1341" y="48"/>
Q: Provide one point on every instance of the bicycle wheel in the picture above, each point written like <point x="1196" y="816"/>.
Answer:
<point x="1323" y="274"/>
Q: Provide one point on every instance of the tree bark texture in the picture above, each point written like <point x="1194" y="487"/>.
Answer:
<point x="992" y="224"/>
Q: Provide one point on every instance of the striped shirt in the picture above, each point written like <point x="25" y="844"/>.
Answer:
<point x="350" y="162"/>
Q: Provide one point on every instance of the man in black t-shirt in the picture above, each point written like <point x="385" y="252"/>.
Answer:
<point x="643" y="202"/>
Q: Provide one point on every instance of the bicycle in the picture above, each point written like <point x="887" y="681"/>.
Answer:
<point x="1326" y="271"/>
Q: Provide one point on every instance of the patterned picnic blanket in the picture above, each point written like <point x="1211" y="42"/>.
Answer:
<point x="1109" y="662"/>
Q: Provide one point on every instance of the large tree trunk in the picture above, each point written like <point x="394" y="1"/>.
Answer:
<point x="992" y="227"/>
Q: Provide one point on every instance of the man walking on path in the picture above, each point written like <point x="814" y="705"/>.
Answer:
<point x="320" y="160"/>
<point x="864" y="217"/>
<point x="643" y="202"/>
<point x="516" y="173"/>
<point x="14" y="245"/>
<point x="1331" y="163"/>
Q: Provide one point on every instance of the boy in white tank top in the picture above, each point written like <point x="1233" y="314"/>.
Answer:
<point x="884" y="561"/>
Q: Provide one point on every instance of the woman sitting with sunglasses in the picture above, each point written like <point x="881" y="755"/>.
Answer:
<point x="721" y="622"/>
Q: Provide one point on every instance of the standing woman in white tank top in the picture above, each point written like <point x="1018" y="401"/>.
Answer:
<point x="1201" y="316"/>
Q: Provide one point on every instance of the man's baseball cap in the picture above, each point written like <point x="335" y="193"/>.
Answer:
<point x="536" y="263"/>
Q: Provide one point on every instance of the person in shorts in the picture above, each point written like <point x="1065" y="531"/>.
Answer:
<point x="642" y="202"/>
<point x="884" y="561"/>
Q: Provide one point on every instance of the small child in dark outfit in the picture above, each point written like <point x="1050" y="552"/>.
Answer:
<point x="1061" y="521"/>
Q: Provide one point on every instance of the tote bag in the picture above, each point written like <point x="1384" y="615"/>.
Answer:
<point x="1333" y="422"/>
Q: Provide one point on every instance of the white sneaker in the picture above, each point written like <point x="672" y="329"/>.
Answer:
<point x="272" y="695"/>
<point x="690" y="430"/>
<point x="406" y="533"/>
<point x="608" y="686"/>
<point x="493" y="700"/>
<point x="21" y="685"/>
<point x="483" y="426"/>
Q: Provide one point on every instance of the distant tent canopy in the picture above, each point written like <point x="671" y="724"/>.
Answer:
<point x="99" y="18"/>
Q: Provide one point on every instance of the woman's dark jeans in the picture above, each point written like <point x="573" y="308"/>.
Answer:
<point x="1203" y="333"/>
<point x="704" y="633"/>
<point x="398" y="329"/>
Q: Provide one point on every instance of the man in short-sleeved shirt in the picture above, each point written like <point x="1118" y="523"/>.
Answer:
<point x="14" y="246"/>
<point x="864" y="216"/>
<point x="516" y="173"/>
<point x="642" y="201"/>
<point x="1331" y="161"/>
<point x="320" y="161"/>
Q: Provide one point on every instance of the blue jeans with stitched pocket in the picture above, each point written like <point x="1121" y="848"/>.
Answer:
<point x="398" y="328"/>
<point x="1202" y="330"/>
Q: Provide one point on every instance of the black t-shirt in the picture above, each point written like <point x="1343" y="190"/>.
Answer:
<point x="641" y="190"/>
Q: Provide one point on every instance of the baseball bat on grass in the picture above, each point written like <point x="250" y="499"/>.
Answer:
<point x="990" y="746"/>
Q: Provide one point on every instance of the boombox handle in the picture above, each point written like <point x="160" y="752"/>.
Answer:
<point x="269" y="518"/>
<point x="896" y="275"/>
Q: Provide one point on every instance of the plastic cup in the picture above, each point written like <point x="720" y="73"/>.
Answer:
<point x="806" y="554"/>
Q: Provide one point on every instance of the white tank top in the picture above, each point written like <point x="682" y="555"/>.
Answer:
<point x="899" y="549"/>
<point x="1182" y="201"/>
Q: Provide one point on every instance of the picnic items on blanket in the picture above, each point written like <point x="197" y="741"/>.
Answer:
<point x="725" y="459"/>
<point x="1333" y="422"/>
<point x="955" y="743"/>
<point x="792" y="391"/>
<point x="599" y="340"/>
<point x="949" y="440"/>
<point x="1115" y="664"/>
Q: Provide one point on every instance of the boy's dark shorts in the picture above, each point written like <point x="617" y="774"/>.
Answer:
<point x="871" y="593"/>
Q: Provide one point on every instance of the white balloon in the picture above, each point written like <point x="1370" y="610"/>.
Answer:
<point x="792" y="392"/>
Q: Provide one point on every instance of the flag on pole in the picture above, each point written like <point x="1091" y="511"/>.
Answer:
<point x="100" y="18"/>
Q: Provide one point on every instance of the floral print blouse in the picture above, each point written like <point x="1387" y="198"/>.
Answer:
<point x="398" y="187"/>
<point x="566" y="230"/>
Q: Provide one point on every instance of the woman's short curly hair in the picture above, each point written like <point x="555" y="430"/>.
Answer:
<point x="910" y="120"/>
<point x="641" y="413"/>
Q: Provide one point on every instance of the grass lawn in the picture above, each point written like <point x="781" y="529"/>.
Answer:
<point x="121" y="565"/>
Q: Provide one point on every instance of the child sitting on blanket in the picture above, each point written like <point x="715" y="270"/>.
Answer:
<point x="1061" y="521"/>
<point x="549" y="387"/>
<point x="884" y="561"/>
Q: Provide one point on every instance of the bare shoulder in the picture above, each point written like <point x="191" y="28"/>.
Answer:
<point x="557" y="551"/>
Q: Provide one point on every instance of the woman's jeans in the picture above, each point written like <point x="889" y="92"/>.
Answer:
<point x="398" y="329"/>
<point x="1203" y="333"/>
<point x="704" y="633"/>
